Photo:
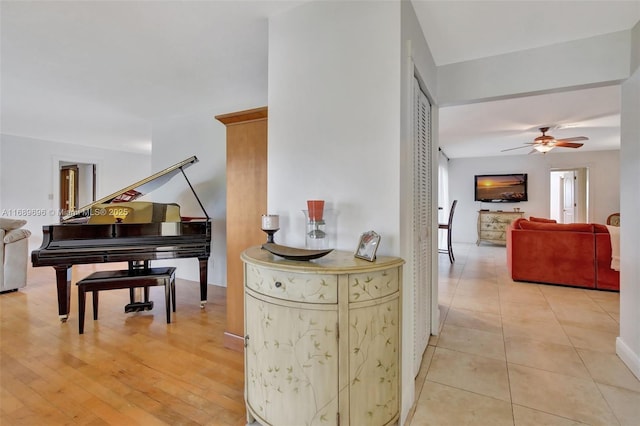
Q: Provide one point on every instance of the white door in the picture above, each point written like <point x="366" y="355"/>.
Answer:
<point x="422" y="223"/>
<point x="568" y="197"/>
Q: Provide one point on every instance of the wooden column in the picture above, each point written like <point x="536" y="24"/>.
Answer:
<point x="246" y="203"/>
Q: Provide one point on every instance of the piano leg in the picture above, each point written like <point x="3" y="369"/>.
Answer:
<point x="203" y="280"/>
<point x="63" y="282"/>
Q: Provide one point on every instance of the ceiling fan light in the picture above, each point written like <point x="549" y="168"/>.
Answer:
<point x="543" y="148"/>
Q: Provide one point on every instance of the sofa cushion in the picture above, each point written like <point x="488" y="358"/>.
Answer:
<point x="16" y="235"/>
<point x="541" y="219"/>
<point x="600" y="229"/>
<point x="516" y="223"/>
<point x="545" y="256"/>
<point x="8" y="224"/>
<point x="568" y="227"/>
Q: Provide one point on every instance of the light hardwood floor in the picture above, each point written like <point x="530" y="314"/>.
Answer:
<point x="508" y="354"/>
<point x="125" y="369"/>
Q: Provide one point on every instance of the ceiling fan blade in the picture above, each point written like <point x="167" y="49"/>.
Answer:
<point x="533" y="151"/>
<point x="577" y="138"/>
<point x="568" y="144"/>
<point x="519" y="147"/>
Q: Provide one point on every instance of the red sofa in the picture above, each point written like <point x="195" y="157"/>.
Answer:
<point x="575" y="254"/>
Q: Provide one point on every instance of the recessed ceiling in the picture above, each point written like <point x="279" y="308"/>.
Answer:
<point x="491" y="127"/>
<point x="458" y="31"/>
<point x="99" y="73"/>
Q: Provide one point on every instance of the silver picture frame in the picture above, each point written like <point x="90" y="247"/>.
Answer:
<point x="367" y="246"/>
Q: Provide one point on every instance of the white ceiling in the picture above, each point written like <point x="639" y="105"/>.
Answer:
<point x="465" y="30"/>
<point x="97" y="73"/>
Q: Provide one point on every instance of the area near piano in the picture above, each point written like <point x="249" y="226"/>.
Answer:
<point x="111" y="230"/>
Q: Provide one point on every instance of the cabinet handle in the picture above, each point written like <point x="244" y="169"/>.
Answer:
<point x="278" y="284"/>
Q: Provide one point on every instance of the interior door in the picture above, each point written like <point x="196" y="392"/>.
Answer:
<point x="568" y="197"/>
<point x="422" y="224"/>
<point x="68" y="188"/>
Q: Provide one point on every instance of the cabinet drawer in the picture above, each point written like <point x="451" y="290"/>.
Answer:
<point x="497" y="226"/>
<point x="296" y="287"/>
<point x="493" y="220"/>
<point x="372" y="285"/>
<point x="506" y="218"/>
<point x="493" y="235"/>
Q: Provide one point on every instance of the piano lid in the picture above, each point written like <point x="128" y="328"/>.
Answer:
<point x="140" y="188"/>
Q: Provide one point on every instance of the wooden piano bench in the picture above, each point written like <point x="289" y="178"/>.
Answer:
<point x="136" y="278"/>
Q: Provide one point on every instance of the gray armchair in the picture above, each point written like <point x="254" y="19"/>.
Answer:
<point x="14" y="254"/>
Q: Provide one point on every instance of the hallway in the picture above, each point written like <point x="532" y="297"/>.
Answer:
<point x="521" y="354"/>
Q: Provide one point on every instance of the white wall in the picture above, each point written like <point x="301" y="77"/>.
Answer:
<point x="85" y="186"/>
<point x="201" y="135"/>
<point x="28" y="179"/>
<point x="338" y="76"/>
<point x="590" y="61"/>
<point x="334" y="124"/>
<point x="604" y="185"/>
<point x="1" y="175"/>
<point x="628" y="344"/>
<point x="416" y="60"/>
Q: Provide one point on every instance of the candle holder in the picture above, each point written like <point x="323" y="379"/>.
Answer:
<point x="270" y="233"/>
<point x="270" y="225"/>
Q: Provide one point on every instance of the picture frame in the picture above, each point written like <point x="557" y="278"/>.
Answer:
<point x="367" y="246"/>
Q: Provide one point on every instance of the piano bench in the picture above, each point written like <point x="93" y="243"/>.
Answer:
<point x="113" y="280"/>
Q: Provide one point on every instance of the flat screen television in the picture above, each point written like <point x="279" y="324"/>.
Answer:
<point x="506" y="188"/>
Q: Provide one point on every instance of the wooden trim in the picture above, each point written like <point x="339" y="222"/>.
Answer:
<point x="246" y="201"/>
<point x="233" y="342"/>
<point x="243" y="116"/>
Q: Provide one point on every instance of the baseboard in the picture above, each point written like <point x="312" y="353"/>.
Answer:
<point x="630" y="358"/>
<point x="407" y="400"/>
<point x="233" y="342"/>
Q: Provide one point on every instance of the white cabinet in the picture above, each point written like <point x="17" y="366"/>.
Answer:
<point x="322" y="339"/>
<point x="492" y="225"/>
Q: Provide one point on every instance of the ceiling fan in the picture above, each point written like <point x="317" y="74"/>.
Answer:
<point x="546" y="143"/>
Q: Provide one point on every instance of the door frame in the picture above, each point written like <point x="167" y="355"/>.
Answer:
<point x="582" y="196"/>
<point x="57" y="162"/>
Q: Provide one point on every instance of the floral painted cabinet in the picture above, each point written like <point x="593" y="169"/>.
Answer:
<point x="322" y="339"/>
<point x="492" y="225"/>
<point x="292" y="357"/>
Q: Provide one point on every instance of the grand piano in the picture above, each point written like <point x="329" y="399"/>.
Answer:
<point x="117" y="228"/>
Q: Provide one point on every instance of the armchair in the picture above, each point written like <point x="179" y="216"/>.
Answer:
<point x="14" y="254"/>
<point x="613" y="219"/>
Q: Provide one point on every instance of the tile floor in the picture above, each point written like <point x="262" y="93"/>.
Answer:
<point x="521" y="354"/>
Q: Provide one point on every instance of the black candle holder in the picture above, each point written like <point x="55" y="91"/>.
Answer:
<point x="270" y="233"/>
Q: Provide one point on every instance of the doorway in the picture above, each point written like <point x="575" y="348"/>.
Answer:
<point x="569" y="195"/>
<point x="77" y="186"/>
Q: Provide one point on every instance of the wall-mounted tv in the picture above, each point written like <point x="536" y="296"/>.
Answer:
<point x="506" y="188"/>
